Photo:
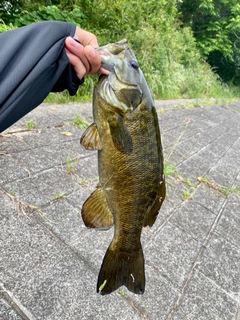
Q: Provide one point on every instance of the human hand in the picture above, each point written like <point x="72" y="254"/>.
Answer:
<point x="83" y="57"/>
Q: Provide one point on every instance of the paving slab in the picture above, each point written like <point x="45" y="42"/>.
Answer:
<point x="204" y="300"/>
<point x="49" y="260"/>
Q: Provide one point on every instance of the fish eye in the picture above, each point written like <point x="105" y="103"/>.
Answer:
<point x="134" y="64"/>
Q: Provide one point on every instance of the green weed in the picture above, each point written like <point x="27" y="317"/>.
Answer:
<point x="226" y="191"/>
<point x="122" y="292"/>
<point x="189" y="183"/>
<point x="166" y="49"/>
<point x="79" y="122"/>
<point x="84" y="93"/>
<point x="71" y="164"/>
<point x="86" y="182"/>
<point x="31" y="125"/>
<point x="187" y="194"/>
<point x="43" y="215"/>
<point x="59" y="196"/>
<point x="170" y="169"/>
<point x="11" y="191"/>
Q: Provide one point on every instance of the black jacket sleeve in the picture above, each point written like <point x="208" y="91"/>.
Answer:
<point x="33" y="62"/>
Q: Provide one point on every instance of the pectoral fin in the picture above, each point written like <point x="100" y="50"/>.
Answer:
<point x="153" y="210"/>
<point x="120" y="135"/>
<point x="95" y="211"/>
<point x="90" y="139"/>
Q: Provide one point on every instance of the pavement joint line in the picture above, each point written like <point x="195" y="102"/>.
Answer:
<point x="205" y="207"/>
<point x="19" y="138"/>
<point x="204" y="147"/>
<point x="176" y="301"/>
<point x="16" y="304"/>
<point x="223" y="133"/>
<point x="135" y="306"/>
<point x="212" y="127"/>
<point x="197" y="260"/>
<point x="201" y="119"/>
<point x="27" y="208"/>
<point x="220" y="288"/>
<point x="21" y="206"/>
<point x="165" y="222"/>
<point x="226" y="151"/>
<point x="29" y="147"/>
<point x="66" y="245"/>
<point x="61" y="166"/>
<point x="26" y="169"/>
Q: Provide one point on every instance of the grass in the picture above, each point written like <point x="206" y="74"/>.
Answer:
<point x="24" y="208"/>
<point x="122" y="292"/>
<point x="79" y="122"/>
<point x="222" y="96"/>
<point x="59" y="196"/>
<point x="225" y="190"/>
<point x="85" y="182"/>
<point x="174" y="67"/>
<point x="4" y="27"/>
<point x="170" y="169"/>
<point x="11" y="191"/>
<point x="31" y="125"/>
<point x="167" y="76"/>
<point x="43" y="215"/>
<point x="71" y="164"/>
<point x="84" y="93"/>
<point x="187" y="194"/>
<point x="64" y="97"/>
<point x="189" y="183"/>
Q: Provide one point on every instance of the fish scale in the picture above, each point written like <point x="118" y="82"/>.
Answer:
<point x="131" y="185"/>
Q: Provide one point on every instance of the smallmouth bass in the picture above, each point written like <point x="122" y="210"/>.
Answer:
<point x="131" y="185"/>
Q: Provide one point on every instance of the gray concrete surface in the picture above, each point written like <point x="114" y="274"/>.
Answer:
<point x="49" y="261"/>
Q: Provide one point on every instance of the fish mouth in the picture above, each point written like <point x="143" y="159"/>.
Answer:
<point x="107" y="59"/>
<point x="123" y="85"/>
<point x="112" y="53"/>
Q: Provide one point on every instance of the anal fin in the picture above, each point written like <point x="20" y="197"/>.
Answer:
<point x="153" y="210"/>
<point x="95" y="211"/>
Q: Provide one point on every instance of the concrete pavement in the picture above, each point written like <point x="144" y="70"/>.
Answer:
<point x="49" y="261"/>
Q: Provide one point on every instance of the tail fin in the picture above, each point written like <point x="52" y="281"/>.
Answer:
<point x="122" y="269"/>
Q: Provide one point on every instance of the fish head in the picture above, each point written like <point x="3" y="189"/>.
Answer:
<point x="122" y="88"/>
<point x="110" y="54"/>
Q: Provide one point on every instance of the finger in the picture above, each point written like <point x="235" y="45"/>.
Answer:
<point x="86" y="38"/>
<point x="71" y="44"/>
<point x="88" y="57"/>
<point x="78" y="50"/>
<point x="95" y="61"/>
<point x="77" y="64"/>
<point x="93" y="58"/>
